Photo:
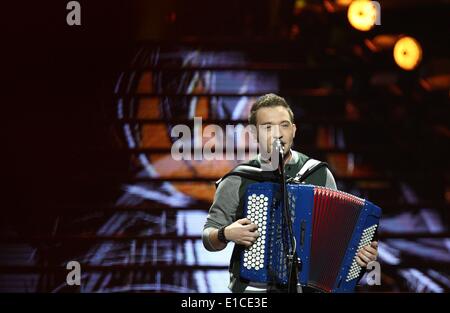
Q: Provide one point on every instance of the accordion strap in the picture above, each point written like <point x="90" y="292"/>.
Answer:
<point x="253" y="172"/>
<point x="308" y="168"/>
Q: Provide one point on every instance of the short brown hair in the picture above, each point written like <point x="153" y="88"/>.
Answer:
<point x="267" y="101"/>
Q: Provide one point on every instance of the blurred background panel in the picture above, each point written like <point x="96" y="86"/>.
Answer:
<point x="89" y="114"/>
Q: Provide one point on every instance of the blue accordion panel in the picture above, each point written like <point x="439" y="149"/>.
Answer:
<point x="261" y="208"/>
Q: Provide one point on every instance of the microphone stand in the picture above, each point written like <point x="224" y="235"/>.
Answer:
<point x="292" y="259"/>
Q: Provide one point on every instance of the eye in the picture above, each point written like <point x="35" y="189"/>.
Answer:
<point x="285" y="125"/>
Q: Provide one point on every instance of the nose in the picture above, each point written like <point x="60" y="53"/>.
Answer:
<point x="277" y="133"/>
<point x="278" y="136"/>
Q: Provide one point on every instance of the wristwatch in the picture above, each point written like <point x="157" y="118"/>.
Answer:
<point x="221" y="235"/>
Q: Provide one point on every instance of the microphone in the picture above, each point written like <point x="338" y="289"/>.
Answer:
<point x="279" y="146"/>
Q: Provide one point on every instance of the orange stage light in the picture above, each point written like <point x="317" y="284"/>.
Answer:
<point x="407" y="53"/>
<point x="362" y="14"/>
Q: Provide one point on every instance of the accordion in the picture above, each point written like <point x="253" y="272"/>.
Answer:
<point x="329" y="227"/>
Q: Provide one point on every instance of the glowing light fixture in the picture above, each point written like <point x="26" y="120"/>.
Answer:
<point x="363" y="14"/>
<point x="407" y="53"/>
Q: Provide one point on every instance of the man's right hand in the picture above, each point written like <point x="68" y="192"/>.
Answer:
<point x="242" y="232"/>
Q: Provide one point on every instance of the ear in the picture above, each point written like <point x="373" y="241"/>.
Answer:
<point x="295" y="130"/>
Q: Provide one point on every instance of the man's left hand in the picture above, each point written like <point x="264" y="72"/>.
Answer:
<point x="367" y="254"/>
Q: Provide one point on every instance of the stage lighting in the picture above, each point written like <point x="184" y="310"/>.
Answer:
<point x="299" y="5"/>
<point x="345" y="3"/>
<point x="363" y="14"/>
<point x="407" y="53"/>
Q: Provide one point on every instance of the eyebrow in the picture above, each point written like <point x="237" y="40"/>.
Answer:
<point x="285" y="121"/>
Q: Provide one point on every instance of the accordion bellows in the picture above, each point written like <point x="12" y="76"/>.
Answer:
<point x="329" y="228"/>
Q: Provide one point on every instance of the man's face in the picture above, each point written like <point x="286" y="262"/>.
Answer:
<point x="273" y="123"/>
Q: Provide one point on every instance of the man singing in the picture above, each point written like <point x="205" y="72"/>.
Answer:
<point x="273" y="119"/>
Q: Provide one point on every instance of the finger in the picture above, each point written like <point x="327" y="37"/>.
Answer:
<point x="370" y="250"/>
<point x="372" y="257"/>
<point x="360" y="262"/>
<point x="252" y="234"/>
<point x="249" y="238"/>
<point x="374" y="244"/>
<point x="246" y="243"/>
<point x="244" y="221"/>
<point x="251" y="227"/>
<point x="363" y="257"/>
<point x="367" y="254"/>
